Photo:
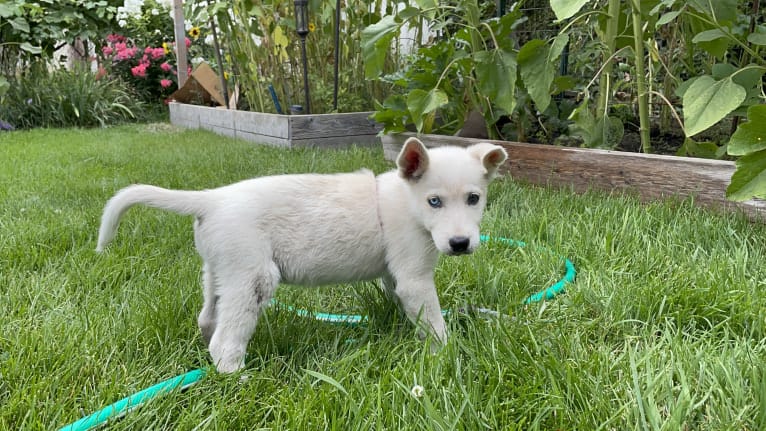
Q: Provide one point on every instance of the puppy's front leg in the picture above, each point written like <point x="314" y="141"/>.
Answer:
<point x="418" y="298"/>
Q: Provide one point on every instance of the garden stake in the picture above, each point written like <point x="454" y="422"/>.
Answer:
<point x="302" y="28"/>
<point x="337" y="55"/>
<point x="183" y="381"/>
<point x="217" y="47"/>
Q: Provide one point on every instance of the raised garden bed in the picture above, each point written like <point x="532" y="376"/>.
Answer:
<point x="321" y="130"/>
<point x="650" y="176"/>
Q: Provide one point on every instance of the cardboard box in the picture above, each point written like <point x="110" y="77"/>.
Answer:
<point x="202" y="88"/>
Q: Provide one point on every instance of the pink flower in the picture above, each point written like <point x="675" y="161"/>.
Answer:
<point x="165" y="83"/>
<point x="139" y="71"/>
<point x="120" y="46"/>
<point x="188" y="42"/>
<point x="165" y="67"/>
<point x="148" y="50"/>
<point x="107" y="50"/>
<point x="113" y="38"/>
<point x="125" y="53"/>
<point x="158" y="53"/>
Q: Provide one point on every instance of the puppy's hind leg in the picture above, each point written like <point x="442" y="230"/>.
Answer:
<point x="241" y="296"/>
<point x="206" y="319"/>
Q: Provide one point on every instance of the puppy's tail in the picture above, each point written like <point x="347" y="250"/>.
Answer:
<point x="179" y="201"/>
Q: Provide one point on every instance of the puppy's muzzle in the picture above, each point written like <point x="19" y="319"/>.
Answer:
<point x="459" y="245"/>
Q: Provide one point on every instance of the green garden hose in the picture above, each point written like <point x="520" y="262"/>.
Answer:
<point x="183" y="381"/>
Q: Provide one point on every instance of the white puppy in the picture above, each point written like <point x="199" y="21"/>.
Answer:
<point x="319" y="229"/>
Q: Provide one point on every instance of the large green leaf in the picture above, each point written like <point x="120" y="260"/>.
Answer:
<point x="750" y="136"/>
<point x="6" y="11"/>
<point x="667" y="18"/>
<point x="537" y="66"/>
<point x="722" y="11"/>
<point x="423" y="105"/>
<point x="708" y="101"/>
<point x="19" y="24"/>
<point x="709" y="35"/>
<point x="496" y="77"/>
<point x="426" y="4"/>
<point x="376" y="40"/>
<point x="28" y="47"/>
<point x="749" y="180"/>
<point x="392" y="113"/>
<point x="567" y="8"/>
<point x="703" y="149"/>
<point x="713" y="41"/>
<point x="749" y="141"/>
<point x="748" y="77"/>
<point x="757" y="38"/>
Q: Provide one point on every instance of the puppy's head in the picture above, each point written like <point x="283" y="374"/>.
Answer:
<point x="448" y="190"/>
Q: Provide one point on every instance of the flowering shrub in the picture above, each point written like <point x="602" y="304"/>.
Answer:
<point x="149" y="69"/>
<point x="145" y="58"/>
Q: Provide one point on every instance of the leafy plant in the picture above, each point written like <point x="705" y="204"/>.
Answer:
<point x="622" y="27"/>
<point x="731" y="88"/>
<point x="749" y="142"/>
<point x="596" y="131"/>
<point x="260" y="41"/>
<point x="472" y="66"/>
<point x="32" y="28"/>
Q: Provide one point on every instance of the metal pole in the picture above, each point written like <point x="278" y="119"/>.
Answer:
<point x="307" y="108"/>
<point x="224" y="85"/>
<point x="337" y="55"/>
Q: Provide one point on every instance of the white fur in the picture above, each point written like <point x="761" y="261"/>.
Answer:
<point x="315" y="229"/>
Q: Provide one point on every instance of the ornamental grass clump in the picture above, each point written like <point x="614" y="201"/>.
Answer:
<point x="67" y="98"/>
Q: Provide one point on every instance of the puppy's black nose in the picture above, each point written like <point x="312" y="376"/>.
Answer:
<point x="459" y="244"/>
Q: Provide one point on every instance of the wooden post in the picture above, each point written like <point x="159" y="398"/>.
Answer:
<point x="180" y="33"/>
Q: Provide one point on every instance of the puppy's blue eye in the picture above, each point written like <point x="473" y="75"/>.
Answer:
<point x="435" y="202"/>
<point x="473" y="199"/>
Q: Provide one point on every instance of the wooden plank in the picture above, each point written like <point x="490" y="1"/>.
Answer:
<point x="338" y="141"/>
<point x="181" y="116"/>
<point x="331" y="125"/>
<point x="651" y="176"/>
<point x="257" y="138"/>
<point x="324" y="130"/>
<point x="215" y="117"/>
<point x="261" y="123"/>
<point x="180" y="35"/>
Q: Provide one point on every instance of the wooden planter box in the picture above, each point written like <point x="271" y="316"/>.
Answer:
<point x="650" y="176"/>
<point x="321" y="130"/>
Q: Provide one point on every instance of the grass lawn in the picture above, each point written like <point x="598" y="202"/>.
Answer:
<point x="664" y="329"/>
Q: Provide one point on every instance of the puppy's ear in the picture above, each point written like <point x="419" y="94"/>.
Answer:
<point x="413" y="159"/>
<point x="491" y="157"/>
